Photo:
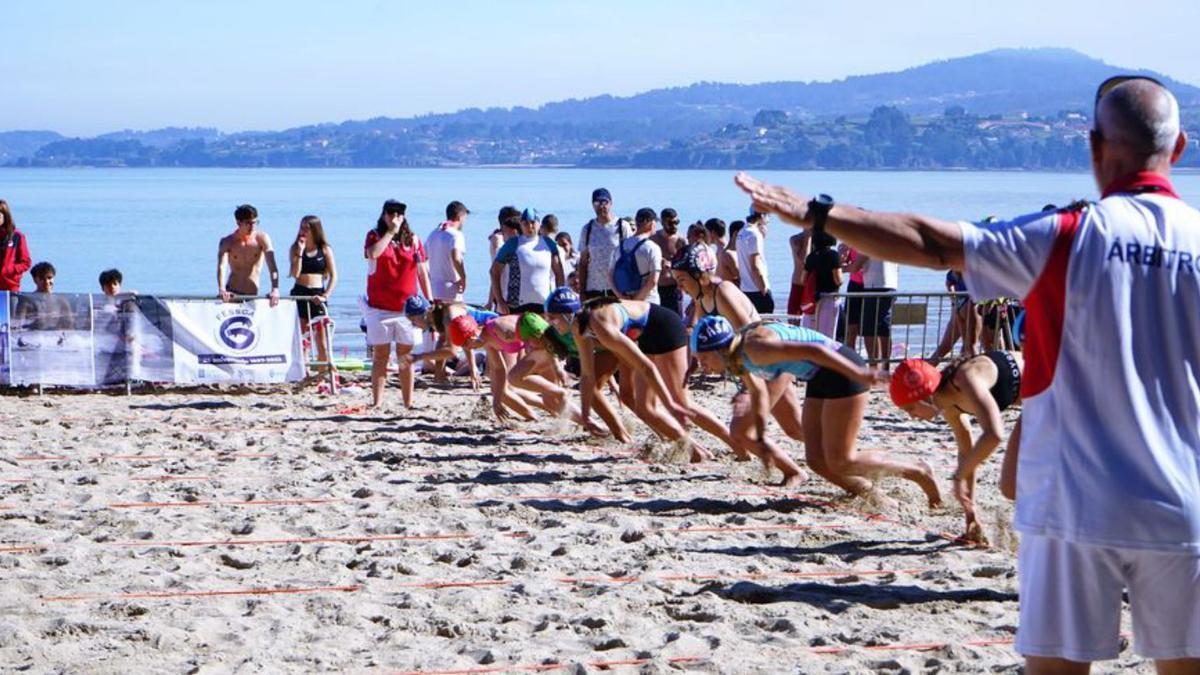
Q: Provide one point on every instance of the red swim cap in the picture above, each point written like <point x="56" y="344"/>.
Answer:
<point x="914" y="380"/>
<point x="462" y="330"/>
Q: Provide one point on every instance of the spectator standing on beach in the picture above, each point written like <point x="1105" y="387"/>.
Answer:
<point x="549" y="229"/>
<point x="42" y="310"/>
<point x="752" y="263"/>
<point x="500" y="235"/>
<point x="597" y="241"/>
<point x="669" y="242"/>
<point x="447" y="248"/>
<point x="396" y="266"/>
<point x="1108" y="485"/>
<point x="244" y="251"/>
<point x="800" y="245"/>
<point x="536" y="258"/>
<point x="714" y="235"/>
<point x="823" y="267"/>
<point x="853" y="263"/>
<point x="727" y="261"/>
<point x="16" y="261"/>
<point x="567" y="252"/>
<point x="875" y="322"/>
<point x="644" y="253"/>
<point x="312" y="265"/>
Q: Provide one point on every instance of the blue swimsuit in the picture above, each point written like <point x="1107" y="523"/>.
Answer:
<point x="802" y="370"/>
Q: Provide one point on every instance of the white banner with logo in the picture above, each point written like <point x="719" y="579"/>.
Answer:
<point x="235" y="343"/>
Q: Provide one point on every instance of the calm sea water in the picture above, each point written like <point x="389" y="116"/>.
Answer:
<point x="161" y="226"/>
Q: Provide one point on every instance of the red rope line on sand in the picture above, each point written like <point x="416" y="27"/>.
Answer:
<point x="149" y="458"/>
<point x="152" y="595"/>
<point x="41" y="458"/>
<point x="23" y="549"/>
<point x="748" y="576"/>
<point x="224" y="502"/>
<point x="294" y="540"/>
<point x="168" y="477"/>
<point x="953" y="538"/>
<point x="545" y="667"/>
<point x="542" y="667"/>
<point x="914" y="647"/>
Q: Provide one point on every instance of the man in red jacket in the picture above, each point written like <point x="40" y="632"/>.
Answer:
<point x="14" y="258"/>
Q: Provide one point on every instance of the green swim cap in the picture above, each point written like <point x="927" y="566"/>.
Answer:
<point x="531" y="327"/>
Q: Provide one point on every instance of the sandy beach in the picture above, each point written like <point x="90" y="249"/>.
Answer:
<point x="276" y="529"/>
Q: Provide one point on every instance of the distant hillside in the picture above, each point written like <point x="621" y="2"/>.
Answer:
<point x="702" y="125"/>
<point x="17" y="144"/>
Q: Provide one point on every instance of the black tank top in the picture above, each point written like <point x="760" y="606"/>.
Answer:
<point x="314" y="264"/>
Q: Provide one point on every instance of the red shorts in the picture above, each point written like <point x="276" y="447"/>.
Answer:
<point x="794" y="300"/>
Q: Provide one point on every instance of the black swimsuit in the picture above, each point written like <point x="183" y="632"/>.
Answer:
<point x="1007" y="389"/>
<point x="716" y="303"/>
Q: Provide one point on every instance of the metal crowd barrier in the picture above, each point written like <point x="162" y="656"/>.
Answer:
<point x="919" y="323"/>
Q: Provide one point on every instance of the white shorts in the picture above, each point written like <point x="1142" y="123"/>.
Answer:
<point x="1071" y="600"/>
<point x="384" y="327"/>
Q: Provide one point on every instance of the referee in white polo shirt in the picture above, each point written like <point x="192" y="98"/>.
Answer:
<point x="1108" y="480"/>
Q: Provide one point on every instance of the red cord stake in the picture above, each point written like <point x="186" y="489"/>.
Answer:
<point x="203" y="594"/>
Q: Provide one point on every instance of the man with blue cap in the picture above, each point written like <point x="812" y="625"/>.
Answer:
<point x="598" y="240"/>
<point x="537" y="259"/>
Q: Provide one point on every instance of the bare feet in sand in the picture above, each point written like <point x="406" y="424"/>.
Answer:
<point x="793" y="480"/>
<point x="928" y="484"/>
<point x="975" y="533"/>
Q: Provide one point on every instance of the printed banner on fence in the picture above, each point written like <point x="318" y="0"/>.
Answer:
<point x="242" y="342"/>
<point x="50" y="339"/>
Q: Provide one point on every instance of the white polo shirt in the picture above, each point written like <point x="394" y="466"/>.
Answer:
<point x="750" y="241"/>
<point x="1110" y="440"/>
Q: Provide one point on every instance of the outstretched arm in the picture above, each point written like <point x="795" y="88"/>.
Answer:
<point x="769" y="351"/>
<point x="905" y="238"/>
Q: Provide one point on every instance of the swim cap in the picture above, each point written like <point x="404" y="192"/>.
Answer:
<point x="462" y="330"/>
<point x="563" y="300"/>
<point x="914" y="380"/>
<point x="1018" y="328"/>
<point x="531" y="327"/>
<point x="415" y="306"/>
<point x="712" y="333"/>
<point x="693" y="259"/>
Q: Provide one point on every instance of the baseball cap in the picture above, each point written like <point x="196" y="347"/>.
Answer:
<point x="394" y="206"/>
<point x="531" y="215"/>
<point x="601" y="195"/>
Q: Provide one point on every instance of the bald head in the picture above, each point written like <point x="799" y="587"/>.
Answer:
<point x="1140" y="117"/>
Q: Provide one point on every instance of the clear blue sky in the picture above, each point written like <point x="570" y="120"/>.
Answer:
<point x="83" y="67"/>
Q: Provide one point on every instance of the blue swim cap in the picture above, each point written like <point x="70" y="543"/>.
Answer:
<point x="563" y="300"/>
<point x="1018" y="328"/>
<point x="415" y="306"/>
<point x="712" y="333"/>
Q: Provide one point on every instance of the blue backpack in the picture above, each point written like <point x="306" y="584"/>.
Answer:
<point x="626" y="274"/>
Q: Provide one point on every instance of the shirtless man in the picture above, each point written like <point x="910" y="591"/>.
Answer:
<point x="669" y="241"/>
<point x="245" y="250"/>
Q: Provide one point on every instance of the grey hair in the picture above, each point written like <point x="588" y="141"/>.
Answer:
<point x="1142" y="116"/>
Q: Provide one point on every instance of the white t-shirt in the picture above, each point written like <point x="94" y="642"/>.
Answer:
<point x="600" y="241"/>
<point x="750" y="241"/>
<point x="648" y="257"/>
<point x="533" y="257"/>
<point x="881" y="274"/>
<point x="439" y="246"/>
<point x="1110" y="438"/>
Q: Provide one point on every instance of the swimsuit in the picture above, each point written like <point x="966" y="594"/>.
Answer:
<point x="315" y="264"/>
<point x="823" y="383"/>
<point x="505" y="346"/>
<point x="1007" y="389"/>
<point x="658" y="331"/>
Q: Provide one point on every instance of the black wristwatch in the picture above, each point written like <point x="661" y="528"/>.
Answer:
<point x="818" y="209"/>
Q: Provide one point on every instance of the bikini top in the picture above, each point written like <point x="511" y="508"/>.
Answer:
<point x="506" y="346"/>
<point x="716" y="304"/>
<point x="802" y="370"/>
<point x="314" y="264"/>
<point x="630" y="326"/>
